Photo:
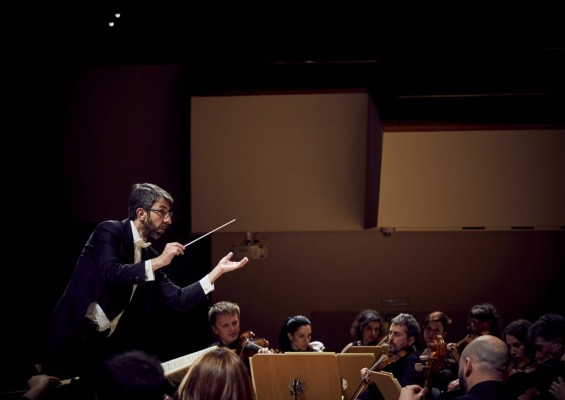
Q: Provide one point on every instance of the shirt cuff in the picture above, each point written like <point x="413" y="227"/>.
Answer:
<point x="207" y="286"/>
<point x="149" y="274"/>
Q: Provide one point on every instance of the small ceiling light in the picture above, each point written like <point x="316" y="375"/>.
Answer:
<point x="118" y="15"/>
<point x="111" y="24"/>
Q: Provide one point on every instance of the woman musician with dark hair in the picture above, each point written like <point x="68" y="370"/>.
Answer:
<point x="368" y="329"/>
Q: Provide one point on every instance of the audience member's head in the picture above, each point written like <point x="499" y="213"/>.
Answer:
<point x="132" y="375"/>
<point x="547" y="335"/>
<point x="218" y="375"/>
<point x="484" y="359"/>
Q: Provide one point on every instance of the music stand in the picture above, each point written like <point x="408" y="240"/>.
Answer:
<point x="376" y="350"/>
<point x="387" y="384"/>
<point x="304" y="376"/>
<point x="350" y="366"/>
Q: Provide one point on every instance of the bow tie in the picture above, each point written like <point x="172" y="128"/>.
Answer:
<point x="141" y="244"/>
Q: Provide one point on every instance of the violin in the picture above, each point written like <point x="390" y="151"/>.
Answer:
<point x="524" y="366"/>
<point x="249" y="344"/>
<point x="381" y="362"/>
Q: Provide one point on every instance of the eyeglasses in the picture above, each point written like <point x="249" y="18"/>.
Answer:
<point x="162" y="213"/>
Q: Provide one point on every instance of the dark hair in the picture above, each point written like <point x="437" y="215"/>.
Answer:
<point x="362" y="320"/>
<point x="221" y="308"/>
<point x="549" y="327"/>
<point x="144" y="195"/>
<point x="486" y="312"/>
<point x="412" y="326"/>
<point x="437" y="316"/>
<point x="132" y="375"/>
<point x="291" y="325"/>
<point x="519" y="329"/>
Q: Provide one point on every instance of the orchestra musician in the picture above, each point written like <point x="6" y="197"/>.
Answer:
<point x="368" y="329"/>
<point x="296" y="335"/>
<point x="403" y="335"/>
<point x="224" y="319"/>
<point x="522" y="362"/>
<point x="482" y="372"/>
<point x="436" y="324"/>
<point x="483" y="320"/>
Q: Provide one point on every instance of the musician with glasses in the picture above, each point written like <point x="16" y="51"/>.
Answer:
<point x="117" y="268"/>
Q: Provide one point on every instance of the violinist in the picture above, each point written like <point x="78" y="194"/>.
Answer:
<point x="368" y="329"/>
<point x="296" y="335"/>
<point x="403" y="337"/>
<point x="224" y="320"/>
<point x="483" y="320"/>
<point x="522" y="361"/>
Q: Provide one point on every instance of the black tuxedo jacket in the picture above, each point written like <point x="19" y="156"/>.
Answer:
<point x="105" y="273"/>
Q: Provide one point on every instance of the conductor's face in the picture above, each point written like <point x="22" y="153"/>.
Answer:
<point x="157" y="219"/>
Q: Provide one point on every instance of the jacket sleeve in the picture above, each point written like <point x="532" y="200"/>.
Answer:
<point x="180" y="298"/>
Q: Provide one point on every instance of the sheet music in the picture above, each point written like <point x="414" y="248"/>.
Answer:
<point x="183" y="362"/>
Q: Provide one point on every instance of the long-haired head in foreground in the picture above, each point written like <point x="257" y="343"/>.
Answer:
<point x="217" y="375"/>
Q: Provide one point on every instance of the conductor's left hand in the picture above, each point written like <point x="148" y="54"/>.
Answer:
<point x="226" y="265"/>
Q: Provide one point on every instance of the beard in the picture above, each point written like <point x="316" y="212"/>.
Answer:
<point x="149" y="230"/>
<point x="462" y="383"/>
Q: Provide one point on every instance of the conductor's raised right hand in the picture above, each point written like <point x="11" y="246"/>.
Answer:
<point x="170" y="251"/>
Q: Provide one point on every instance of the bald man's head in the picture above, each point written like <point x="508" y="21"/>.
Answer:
<point x="485" y="358"/>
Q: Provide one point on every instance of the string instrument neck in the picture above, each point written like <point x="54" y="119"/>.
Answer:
<point x="249" y="344"/>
